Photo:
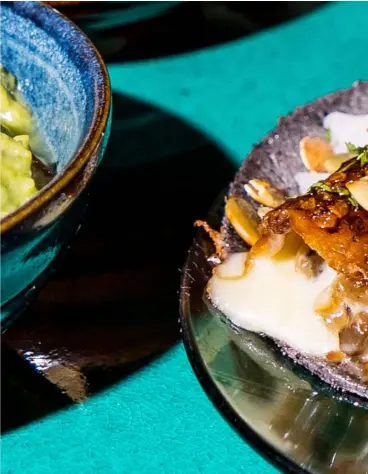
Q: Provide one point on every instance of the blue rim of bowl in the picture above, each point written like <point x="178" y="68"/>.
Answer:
<point x="86" y="149"/>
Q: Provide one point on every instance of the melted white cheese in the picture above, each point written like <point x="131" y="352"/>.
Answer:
<point x="275" y="300"/>
<point x="346" y="128"/>
<point x="305" y="179"/>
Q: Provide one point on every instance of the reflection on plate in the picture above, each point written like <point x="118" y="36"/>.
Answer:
<point x="297" y="421"/>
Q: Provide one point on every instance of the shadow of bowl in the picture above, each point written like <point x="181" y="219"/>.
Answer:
<point x="111" y="307"/>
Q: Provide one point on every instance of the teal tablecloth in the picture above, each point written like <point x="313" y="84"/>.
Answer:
<point x="159" y="420"/>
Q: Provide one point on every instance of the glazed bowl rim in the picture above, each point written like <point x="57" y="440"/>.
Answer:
<point x="90" y="140"/>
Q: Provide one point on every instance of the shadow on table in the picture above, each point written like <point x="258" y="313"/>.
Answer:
<point x="111" y="308"/>
<point x="136" y="31"/>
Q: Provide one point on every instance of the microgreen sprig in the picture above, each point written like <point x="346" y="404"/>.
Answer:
<point x="362" y="152"/>
<point x="341" y="191"/>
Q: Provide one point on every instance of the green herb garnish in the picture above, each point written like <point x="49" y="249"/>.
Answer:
<point x="362" y="152"/>
<point x="346" y="167"/>
<point x="352" y="148"/>
<point x="328" y="134"/>
<point x="352" y="201"/>
<point x="341" y="191"/>
<point x="362" y="158"/>
<point x="322" y="186"/>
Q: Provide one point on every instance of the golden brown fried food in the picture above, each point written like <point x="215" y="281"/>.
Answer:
<point x="215" y="237"/>
<point x="330" y="220"/>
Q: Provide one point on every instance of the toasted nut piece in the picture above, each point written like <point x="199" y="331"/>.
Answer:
<point x="243" y="218"/>
<point x="292" y="244"/>
<point x="268" y="246"/>
<point x="308" y="262"/>
<point x="335" y="356"/>
<point x="332" y="310"/>
<point x="279" y="247"/>
<point x="359" y="191"/>
<point x="263" y="192"/>
<point x="333" y="163"/>
<point x="314" y="152"/>
<point x="262" y="211"/>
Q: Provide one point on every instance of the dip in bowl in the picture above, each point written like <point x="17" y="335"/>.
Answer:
<point x="64" y="83"/>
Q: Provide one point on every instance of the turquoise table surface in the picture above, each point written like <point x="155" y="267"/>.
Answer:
<point x="159" y="419"/>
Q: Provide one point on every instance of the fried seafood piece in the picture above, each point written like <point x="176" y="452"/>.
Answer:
<point x="330" y="219"/>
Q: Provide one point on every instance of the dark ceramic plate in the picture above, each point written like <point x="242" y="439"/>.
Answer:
<point x="297" y="421"/>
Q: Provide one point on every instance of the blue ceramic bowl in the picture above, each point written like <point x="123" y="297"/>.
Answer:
<point x="65" y="82"/>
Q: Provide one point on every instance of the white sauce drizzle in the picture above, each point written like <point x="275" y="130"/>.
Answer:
<point x="344" y="128"/>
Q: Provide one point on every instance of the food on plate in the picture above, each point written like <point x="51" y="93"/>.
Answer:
<point x="303" y="280"/>
<point x="331" y="218"/>
<point x="19" y="169"/>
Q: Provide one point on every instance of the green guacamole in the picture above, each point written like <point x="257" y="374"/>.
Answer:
<point x="16" y="182"/>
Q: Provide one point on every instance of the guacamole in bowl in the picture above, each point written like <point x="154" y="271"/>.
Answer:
<point x="16" y="182"/>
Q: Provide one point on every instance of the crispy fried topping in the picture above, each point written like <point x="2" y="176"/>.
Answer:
<point x="330" y="220"/>
<point x="215" y="237"/>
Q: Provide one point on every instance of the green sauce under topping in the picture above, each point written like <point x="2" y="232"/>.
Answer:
<point x="16" y="182"/>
